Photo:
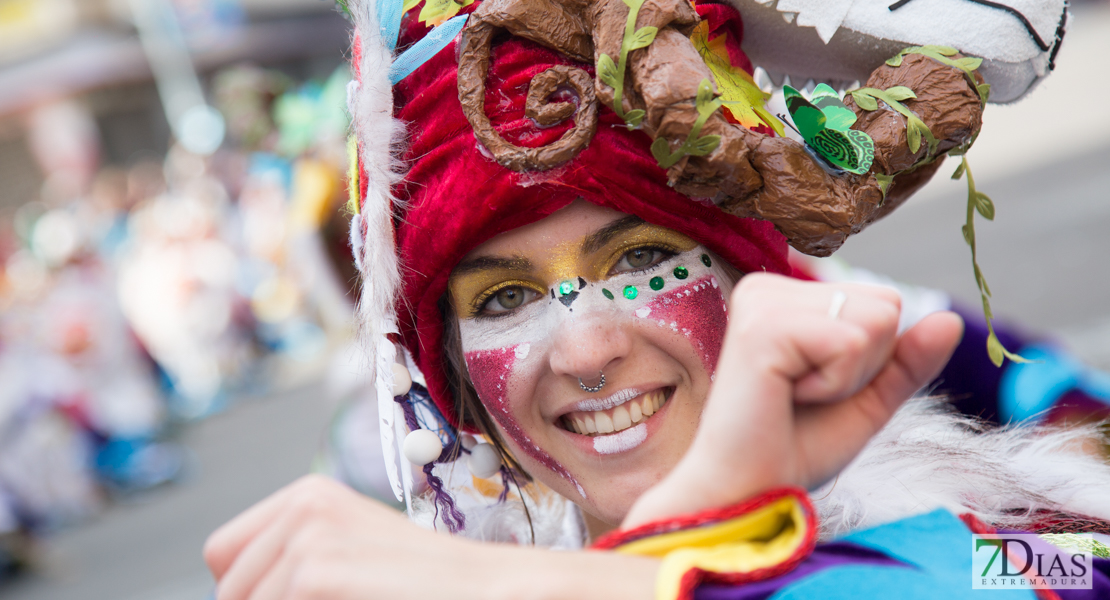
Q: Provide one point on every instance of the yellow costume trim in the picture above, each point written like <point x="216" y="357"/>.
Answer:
<point x="763" y="538"/>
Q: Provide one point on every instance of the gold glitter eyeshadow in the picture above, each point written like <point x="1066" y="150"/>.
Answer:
<point x="476" y="280"/>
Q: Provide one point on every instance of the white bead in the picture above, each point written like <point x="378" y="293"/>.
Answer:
<point x="468" y="441"/>
<point x="483" y="461"/>
<point x="402" y="382"/>
<point x="422" y="447"/>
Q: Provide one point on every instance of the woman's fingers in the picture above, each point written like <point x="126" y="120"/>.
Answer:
<point x="920" y="356"/>
<point x="830" y="340"/>
<point x="228" y="541"/>
<point x="248" y="549"/>
<point x="831" y="435"/>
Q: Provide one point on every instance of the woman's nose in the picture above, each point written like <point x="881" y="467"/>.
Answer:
<point x="586" y="346"/>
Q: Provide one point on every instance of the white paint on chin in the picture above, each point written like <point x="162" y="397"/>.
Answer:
<point x="622" y="441"/>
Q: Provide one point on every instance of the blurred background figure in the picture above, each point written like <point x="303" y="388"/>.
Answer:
<point x="177" y="312"/>
<point x="171" y="244"/>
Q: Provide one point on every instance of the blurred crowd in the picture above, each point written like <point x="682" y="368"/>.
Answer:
<point x="136" y="299"/>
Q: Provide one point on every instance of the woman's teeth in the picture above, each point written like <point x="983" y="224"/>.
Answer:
<point x="626" y="415"/>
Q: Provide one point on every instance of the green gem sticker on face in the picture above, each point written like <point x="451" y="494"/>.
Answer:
<point x="607" y="293"/>
<point x="705" y="260"/>
<point x="656" y="283"/>
<point x="681" y="273"/>
<point x="566" y="287"/>
<point x="631" y="292"/>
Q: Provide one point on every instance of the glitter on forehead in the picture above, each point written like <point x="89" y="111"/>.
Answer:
<point x="698" y="311"/>
<point x="490" y="371"/>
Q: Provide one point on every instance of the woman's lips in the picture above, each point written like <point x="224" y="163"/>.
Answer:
<point x="623" y="433"/>
<point x="630" y="411"/>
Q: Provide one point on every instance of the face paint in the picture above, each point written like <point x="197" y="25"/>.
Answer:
<point x="696" y="310"/>
<point x="680" y="293"/>
<point x="490" y="371"/>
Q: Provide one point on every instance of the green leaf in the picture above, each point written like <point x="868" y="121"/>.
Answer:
<point x="968" y="63"/>
<point x="895" y="61"/>
<point x="945" y="50"/>
<point x="607" y="71"/>
<point x="642" y="38"/>
<point x="959" y="171"/>
<point x="634" y="4"/>
<point x="864" y="101"/>
<point x="969" y="235"/>
<point x="984" y="205"/>
<point x="706" y="144"/>
<point x="705" y="94"/>
<point x="661" y="150"/>
<point x="408" y="5"/>
<point x="900" y="92"/>
<point x="884" y="182"/>
<point x="913" y="136"/>
<point x="634" y="117"/>
<point x="986" y="289"/>
<point x="984" y="91"/>
<point x="995" y="350"/>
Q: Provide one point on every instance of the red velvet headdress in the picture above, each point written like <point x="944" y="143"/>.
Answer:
<point x="454" y="197"/>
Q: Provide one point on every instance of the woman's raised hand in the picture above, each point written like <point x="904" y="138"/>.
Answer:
<point x="808" y="374"/>
<point x="316" y="539"/>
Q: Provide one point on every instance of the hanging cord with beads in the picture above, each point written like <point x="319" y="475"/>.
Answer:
<point x="452" y="516"/>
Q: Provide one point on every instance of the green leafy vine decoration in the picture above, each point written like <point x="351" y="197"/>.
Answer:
<point x="979" y="202"/>
<point x="706" y="103"/>
<point x="941" y="54"/>
<point x="1072" y="541"/>
<point x="867" y="99"/>
<point x="612" y="74"/>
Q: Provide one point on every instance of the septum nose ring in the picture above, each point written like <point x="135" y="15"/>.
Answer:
<point x="595" y="388"/>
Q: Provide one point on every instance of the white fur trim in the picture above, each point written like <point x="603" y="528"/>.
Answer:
<point x="370" y="102"/>
<point x="556" y="522"/>
<point x="929" y="457"/>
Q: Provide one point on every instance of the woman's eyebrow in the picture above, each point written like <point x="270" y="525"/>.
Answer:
<point x="597" y="240"/>
<point x="483" y="263"/>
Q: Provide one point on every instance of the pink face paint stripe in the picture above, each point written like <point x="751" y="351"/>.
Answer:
<point x="490" y="371"/>
<point x="698" y="311"/>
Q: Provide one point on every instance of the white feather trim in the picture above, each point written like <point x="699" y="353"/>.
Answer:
<point x="556" y="522"/>
<point x="929" y="457"/>
<point x="370" y="102"/>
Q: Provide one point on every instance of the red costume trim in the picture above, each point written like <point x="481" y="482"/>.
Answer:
<point x="695" y="577"/>
<point x="454" y="197"/>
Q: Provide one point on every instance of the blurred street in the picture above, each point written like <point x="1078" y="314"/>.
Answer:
<point x="1045" y="162"/>
<point x="149" y="549"/>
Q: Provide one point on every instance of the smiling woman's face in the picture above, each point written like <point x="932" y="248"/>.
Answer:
<point x="547" y="308"/>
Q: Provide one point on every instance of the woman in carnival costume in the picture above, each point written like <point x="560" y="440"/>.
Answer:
<point x="584" y="330"/>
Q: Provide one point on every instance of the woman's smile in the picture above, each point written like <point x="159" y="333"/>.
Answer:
<point x="614" y="414"/>
<point x="632" y="417"/>
<point x="545" y="310"/>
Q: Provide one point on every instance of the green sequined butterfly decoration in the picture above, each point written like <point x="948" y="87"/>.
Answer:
<point x="825" y="124"/>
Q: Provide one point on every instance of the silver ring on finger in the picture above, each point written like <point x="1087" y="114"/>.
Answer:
<point x="837" y="304"/>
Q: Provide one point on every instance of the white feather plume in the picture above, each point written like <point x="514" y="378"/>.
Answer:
<point x="929" y="457"/>
<point x="370" y="102"/>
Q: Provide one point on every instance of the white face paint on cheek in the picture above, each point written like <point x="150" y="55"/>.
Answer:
<point x="506" y="355"/>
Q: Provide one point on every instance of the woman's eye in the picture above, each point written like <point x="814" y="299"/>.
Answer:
<point x="640" y="259"/>
<point x="507" y="299"/>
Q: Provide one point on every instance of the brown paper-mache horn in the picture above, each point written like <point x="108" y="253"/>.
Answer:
<point x="748" y="174"/>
